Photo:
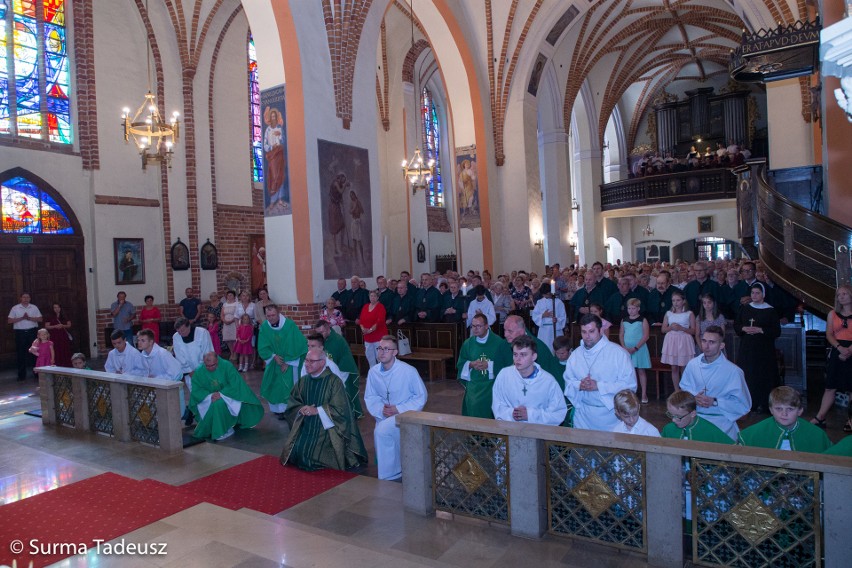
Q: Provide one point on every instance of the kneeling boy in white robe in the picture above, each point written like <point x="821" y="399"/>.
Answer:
<point x="626" y="406"/>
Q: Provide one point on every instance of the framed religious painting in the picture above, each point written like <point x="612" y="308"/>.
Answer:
<point x="209" y="256"/>
<point x="180" y="256"/>
<point x="705" y="224"/>
<point x="129" y="258"/>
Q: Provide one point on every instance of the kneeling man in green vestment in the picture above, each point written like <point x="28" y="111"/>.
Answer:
<point x="483" y="355"/>
<point x="323" y="433"/>
<point x="220" y="399"/>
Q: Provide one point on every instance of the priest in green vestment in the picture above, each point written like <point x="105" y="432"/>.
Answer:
<point x="323" y="433"/>
<point x="841" y="448"/>
<point x="338" y="351"/>
<point x="221" y="400"/>
<point x="785" y="430"/>
<point x="282" y="346"/>
<point x="482" y="356"/>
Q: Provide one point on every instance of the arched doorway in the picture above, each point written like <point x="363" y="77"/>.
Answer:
<point x="41" y="252"/>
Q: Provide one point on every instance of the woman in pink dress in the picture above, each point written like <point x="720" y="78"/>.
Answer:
<point x="243" y="348"/>
<point x="150" y="317"/>
<point x="57" y="325"/>
<point x="42" y="348"/>
<point x="213" y="330"/>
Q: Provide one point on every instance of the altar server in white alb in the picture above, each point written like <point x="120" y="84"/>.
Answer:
<point x="597" y="370"/>
<point x="721" y="393"/>
<point x="393" y="387"/>
<point x="157" y="362"/>
<point x="190" y="344"/>
<point x="525" y="392"/>
<point x="549" y="315"/>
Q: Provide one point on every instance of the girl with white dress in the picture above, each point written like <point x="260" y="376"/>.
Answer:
<point x="678" y="344"/>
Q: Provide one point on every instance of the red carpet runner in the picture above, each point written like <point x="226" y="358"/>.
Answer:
<point x="109" y="505"/>
<point x="102" y="507"/>
<point x="263" y="485"/>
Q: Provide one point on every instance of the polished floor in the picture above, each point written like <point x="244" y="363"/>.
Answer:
<point x="359" y="523"/>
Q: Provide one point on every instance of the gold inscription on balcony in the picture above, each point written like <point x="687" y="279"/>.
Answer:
<point x="753" y="520"/>
<point x="470" y="474"/>
<point x="101" y="406"/>
<point x="145" y="414"/>
<point x="594" y="494"/>
<point x="65" y="399"/>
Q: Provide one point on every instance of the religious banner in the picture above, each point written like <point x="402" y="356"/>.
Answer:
<point x="347" y="224"/>
<point x="276" y="178"/>
<point x="468" y="188"/>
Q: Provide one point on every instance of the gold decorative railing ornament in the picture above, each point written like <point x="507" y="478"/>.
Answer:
<point x="99" y="396"/>
<point x="142" y="409"/>
<point x="63" y="395"/>
<point x="745" y="515"/>
<point x="471" y="474"/>
<point x="597" y="494"/>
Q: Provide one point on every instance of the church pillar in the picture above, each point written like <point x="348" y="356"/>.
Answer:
<point x="590" y="226"/>
<point x="790" y="137"/>
<point x="554" y="171"/>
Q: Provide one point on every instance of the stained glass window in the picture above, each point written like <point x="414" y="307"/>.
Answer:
<point x="35" y="102"/>
<point x="432" y="147"/>
<point x="254" y="114"/>
<point x="28" y="209"/>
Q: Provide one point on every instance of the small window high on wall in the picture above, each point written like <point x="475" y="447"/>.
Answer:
<point x="432" y="147"/>
<point x="26" y="209"/>
<point x="254" y="114"/>
<point x="34" y="71"/>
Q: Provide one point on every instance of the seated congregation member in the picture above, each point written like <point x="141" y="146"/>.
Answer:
<point x="686" y="424"/>
<point x="480" y="305"/>
<point x="123" y="358"/>
<point x="596" y="370"/>
<point x="525" y="392"/>
<point x="785" y="430"/>
<point x="718" y="385"/>
<point x="481" y="358"/>
<point x="221" y="400"/>
<point x="393" y="387"/>
<point x="338" y="351"/>
<point x="282" y="346"/>
<point x="323" y="433"/>
<point x="626" y="406"/>
<point x="549" y="315"/>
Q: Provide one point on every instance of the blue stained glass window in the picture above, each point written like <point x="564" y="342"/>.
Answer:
<point x="432" y="147"/>
<point x="254" y="115"/>
<point x="26" y="209"/>
<point x="40" y="105"/>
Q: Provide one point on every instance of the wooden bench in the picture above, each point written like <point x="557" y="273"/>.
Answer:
<point x="436" y="357"/>
<point x="658" y="367"/>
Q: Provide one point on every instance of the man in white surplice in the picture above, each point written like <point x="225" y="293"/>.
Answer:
<point x="190" y="344"/>
<point x="158" y="363"/>
<point x="596" y="370"/>
<point x="525" y="392"/>
<point x="393" y="387"/>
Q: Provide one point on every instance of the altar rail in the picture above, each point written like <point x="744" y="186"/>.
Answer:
<point x="750" y="507"/>
<point x="130" y="409"/>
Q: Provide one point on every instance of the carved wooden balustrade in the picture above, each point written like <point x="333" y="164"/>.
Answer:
<point x="693" y="185"/>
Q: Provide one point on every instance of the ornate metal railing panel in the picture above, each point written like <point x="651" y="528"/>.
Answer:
<point x="99" y="397"/>
<point x="63" y="394"/>
<point x="142" y="406"/>
<point x="597" y="494"/>
<point x="471" y="473"/>
<point x="747" y="516"/>
<point x="695" y="185"/>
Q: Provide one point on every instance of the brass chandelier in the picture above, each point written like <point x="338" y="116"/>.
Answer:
<point x="417" y="172"/>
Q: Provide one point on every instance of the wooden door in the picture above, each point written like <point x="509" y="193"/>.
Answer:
<point x="50" y="274"/>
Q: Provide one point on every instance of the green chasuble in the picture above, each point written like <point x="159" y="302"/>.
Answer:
<point x="310" y="445"/>
<point x="338" y="351"/>
<point x="700" y="430"/>
<point x="287" y="342"/>
<point x="477" y="393"/>
<point x="803" y="436"/>
<point x="218" y="419"/>
<point x="841" y="448"/>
